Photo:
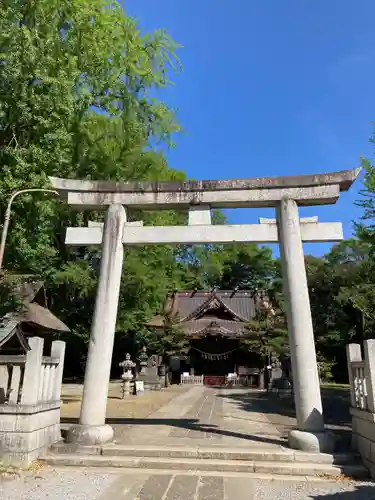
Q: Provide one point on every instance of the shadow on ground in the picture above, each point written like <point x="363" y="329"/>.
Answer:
<point x="281" y="411"/>
<point x="78" y="399"/>
<point x="184" y="423"/>
<point x="360" y="493"/>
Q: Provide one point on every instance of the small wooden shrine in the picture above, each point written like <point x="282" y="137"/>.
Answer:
<point x="214" y="321"/>
<point x="32" y="319"/>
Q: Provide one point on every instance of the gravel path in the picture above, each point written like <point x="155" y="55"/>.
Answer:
<point x="275" y="490"/>
<point x="96" y="484"/>
<point x="57" y="485"/>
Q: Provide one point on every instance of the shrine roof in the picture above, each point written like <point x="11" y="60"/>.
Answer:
<point x="31" y="313"/>
<point x="241" y="303"/>
<point x="201" y="312"/>
<point x="7" y="326"/>
<point x="34" y="313"/>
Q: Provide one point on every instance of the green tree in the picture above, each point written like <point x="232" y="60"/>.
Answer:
<point x="77" y="81"/>
<point x="9" y="301"/>
<point x="247" y="267"/>
<point x="367" y="201"/>
<point x="342" y="301"/>
<point x="268" y="333"/>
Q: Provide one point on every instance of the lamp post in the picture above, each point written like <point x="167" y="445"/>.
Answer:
<point x="7" y="216"/>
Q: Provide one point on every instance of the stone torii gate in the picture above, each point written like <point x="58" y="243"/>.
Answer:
<point x="286" y="194"/>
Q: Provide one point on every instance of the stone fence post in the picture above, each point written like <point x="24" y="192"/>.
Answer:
<point x="353" y="354"/>
<point x="58" y="351"/>
<point x="30" y="390"/>
<point x="362" y="394"/>
<point x="369" y="348"/>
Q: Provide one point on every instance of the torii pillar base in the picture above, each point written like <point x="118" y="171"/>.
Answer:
<point x="312" y="442"/>
<point x="89" y="435"/>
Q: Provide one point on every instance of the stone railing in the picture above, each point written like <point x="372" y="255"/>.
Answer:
<point x="191" y="379"/>
<point x="358" y="385"/>
<point x="362" y="400"/>
<point x="30" y="388"/>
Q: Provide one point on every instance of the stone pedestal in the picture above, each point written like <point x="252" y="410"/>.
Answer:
<point x="261" y="381"/>
<point x="30" y="414"/>
<point x="92" y="428"/>
<point x="127" y="377"/>
<point x="150" y="383"/>
<point x="162" y="376"/>
<point x="27" y="431"/>
<point x="311" y="434"/>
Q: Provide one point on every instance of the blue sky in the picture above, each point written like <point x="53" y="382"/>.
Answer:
<point x="271" y="87"/>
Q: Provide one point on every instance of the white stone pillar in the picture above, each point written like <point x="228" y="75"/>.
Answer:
<point x="32" y="375"/>
<point x="369" y="346"/>
<point x="57" y="351"/>
<point x="310" y="434"/>
<point x="353" y="353"/>
<point x="92" y="428"/>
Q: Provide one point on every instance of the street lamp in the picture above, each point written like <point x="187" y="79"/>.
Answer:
<point x="7" y="217"/>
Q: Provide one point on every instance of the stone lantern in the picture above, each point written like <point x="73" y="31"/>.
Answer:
<point x="127" y="375"/>
<point x="143" y="361"/>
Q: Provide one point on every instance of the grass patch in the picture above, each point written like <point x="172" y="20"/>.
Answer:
<point x="333" y="385"/>
<point x="8" y="471"/>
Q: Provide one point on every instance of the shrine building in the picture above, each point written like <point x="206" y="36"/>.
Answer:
<point x="214" y="322"/>
<point x="32" y="319"/>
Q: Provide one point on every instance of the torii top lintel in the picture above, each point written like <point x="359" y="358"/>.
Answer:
<point x="316" y="189"/>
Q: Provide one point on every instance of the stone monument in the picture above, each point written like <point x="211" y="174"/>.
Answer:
<point x="149" y="371"/>
<point x="274" y="372"/>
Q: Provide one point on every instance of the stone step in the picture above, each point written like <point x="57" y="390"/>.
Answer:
<point x="198" y="464"/>
<point x="204" y="452"/>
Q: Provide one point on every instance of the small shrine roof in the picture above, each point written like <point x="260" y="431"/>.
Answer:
<point x="241" y="303"/>
<point x="31" y="313"/>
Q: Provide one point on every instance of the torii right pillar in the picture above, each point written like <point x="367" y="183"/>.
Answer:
<point x="310" y="434"/>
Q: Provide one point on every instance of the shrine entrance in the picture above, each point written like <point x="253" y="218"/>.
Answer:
<point x="217" y="357"/>
<point x="214" y="322"/>
<point x="199" y="198"/>
<point x="214" y="357"/>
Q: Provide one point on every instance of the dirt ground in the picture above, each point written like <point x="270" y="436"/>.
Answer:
<point x="130" y="407"/>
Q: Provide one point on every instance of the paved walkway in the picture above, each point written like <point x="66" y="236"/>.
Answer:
<point x="202" y="416"/>
<point x="196" y="417"/>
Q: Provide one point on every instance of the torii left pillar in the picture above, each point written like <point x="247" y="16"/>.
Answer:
<point x="92" y="428"/>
